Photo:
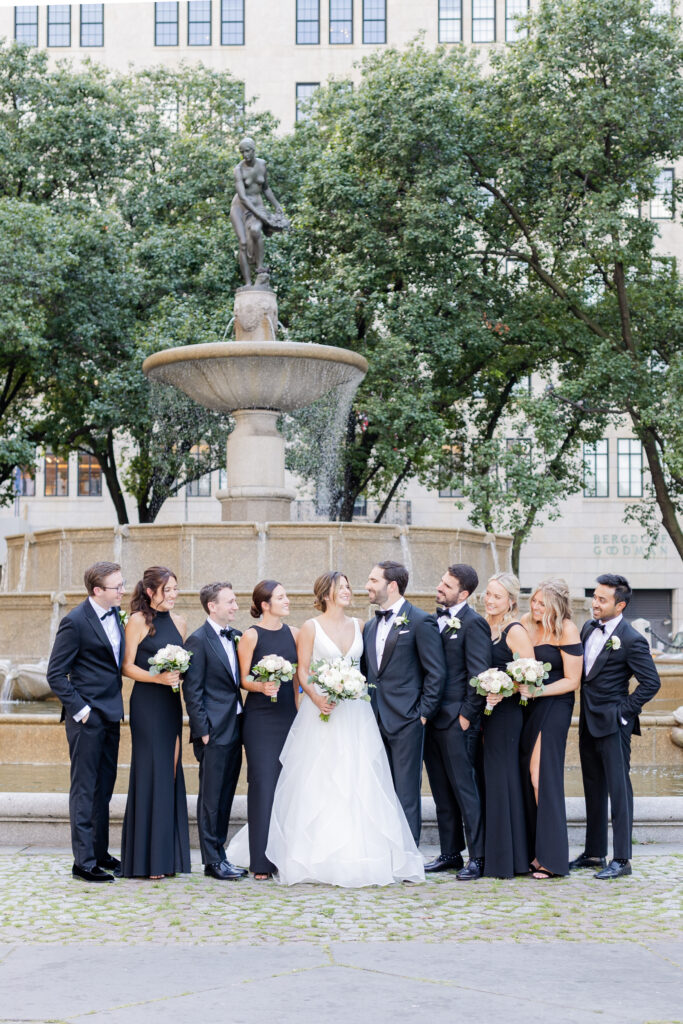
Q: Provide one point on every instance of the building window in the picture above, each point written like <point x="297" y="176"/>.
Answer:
<point x="26" y="24"/>
<point x="450" y="472"/>
<point x="58" y="25"/>
<point x="520" y="447"/>
<point x="304" y="91"/>
<point x="483" y="21"/>
<point x="596" y="469"/>
<point x="341" y="21"/>
<point x="92" y="24"/>
<point x="629" y="468"/>
<point x="374" y="21"/>
<point x="199" y="23"/>
<point x="201" y="487"/>
<point x="89" y="477"/>
<point x="450" y="21"/>
<point x="232" y="22"/>
<point x="513" y="9"/>
<point x="25" y="481"/>
<point x="165" y="24"/>
<point x="56" y="476"/>
<point x="661" y="205"/>
<point x="308" y="22"/>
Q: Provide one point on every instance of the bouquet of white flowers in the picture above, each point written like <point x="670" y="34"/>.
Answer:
<point x="170" y="658"/>
<point x="493" y="681"/>
<point x="529" y="671"/>
<point x="339" y="681"/>
<point x="273" y="668"/>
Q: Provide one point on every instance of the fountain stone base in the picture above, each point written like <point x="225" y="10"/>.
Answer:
<point x="255" y="470"/>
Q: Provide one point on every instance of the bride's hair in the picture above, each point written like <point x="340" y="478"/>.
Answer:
<point x="327" y="586"/>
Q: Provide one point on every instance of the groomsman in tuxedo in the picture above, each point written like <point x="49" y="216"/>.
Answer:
<point x="403" y="659"/>
<point x="84" y="671"/>
<point x="613" y="652"/>
<point x="451" y="734"/>
<point x="211" y="688"/>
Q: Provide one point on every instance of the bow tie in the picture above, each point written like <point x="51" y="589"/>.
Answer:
<point x="228" y="633"/>
<point x="112" y="611"/>
<point x="442" y="611"/>
<point x="386" y="615"/>
<point x="595" y="624"/>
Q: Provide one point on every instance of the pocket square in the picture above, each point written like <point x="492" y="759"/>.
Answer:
<point x="401" y="632"/>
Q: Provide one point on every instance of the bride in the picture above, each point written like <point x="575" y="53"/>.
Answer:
<point x="336" y="817"/>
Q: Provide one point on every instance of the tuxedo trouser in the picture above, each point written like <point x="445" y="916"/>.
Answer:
<point x="219" y="770"/>
<point x="404" y="751"/>
<point x="94" y="751"/>
<point x="605" y="766"/>
<point x="449" y="755"/>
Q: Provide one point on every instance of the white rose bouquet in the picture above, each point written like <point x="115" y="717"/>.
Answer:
<point x="170" y="658"/>
<point x="272" y="668"/>
<point x="493" y="681"/>
<point x="338" y="681"/>
<point x="530" y="672"/>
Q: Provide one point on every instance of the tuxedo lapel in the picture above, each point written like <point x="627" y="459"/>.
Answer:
<point x="217" y="647"/>
<point x="392" y="639"/>
<point x="94" y="620"/>
<point x="122" y="634"/>
<point x="602" y="657"/>
<point x="370" y="640"/>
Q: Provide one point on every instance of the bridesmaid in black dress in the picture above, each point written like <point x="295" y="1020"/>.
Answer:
<point x="505" y="844"/>
<point x="547" y="719"/>
<point x="266" y="723"/>
<point x="156" y="839"/>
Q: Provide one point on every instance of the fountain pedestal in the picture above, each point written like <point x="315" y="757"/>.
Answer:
<point x="255" y="470"/>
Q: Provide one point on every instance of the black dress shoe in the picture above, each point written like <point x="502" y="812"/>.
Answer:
<point x="223" y="871"/>
<point x="110" y="863"/>
<point x="472" y="870"/>
<point x="233" y="867"/>
<point x="96" y="875"/>
<point x="445" y="862"/>
<point x="584" y="861"/>
<point x="615" y="869"/>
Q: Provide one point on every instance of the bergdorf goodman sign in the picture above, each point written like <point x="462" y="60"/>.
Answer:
<point x="628" y="545"/>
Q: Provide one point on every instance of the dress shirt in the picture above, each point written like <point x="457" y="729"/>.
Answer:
<point x="448" y="613"/>
<point x="229" y="648"/>
<point x="597" y="640"/>
<point x="384" y="627"/>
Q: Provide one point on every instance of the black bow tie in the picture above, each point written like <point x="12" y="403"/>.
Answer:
<point x="386" y="615"/>
<point x="228" y="633"/>
<point x="112" y="611"/>
<point x="442" y="611"/>
<point x="596" y="624"/>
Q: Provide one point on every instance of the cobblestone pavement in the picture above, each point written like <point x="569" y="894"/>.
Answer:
<point x="41" y="902"/>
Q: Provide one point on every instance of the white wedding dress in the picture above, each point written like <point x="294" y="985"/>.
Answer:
<point x="336" y="817"/>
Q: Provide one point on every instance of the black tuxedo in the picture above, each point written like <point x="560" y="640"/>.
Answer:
<point x="212" y="698"/>
<point x="450" y="751"/>
<point x="408" y="685"/>
<point x="84" y="670"/>
<point x="605" y="742"/>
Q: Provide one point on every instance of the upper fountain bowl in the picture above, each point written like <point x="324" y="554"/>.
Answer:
<point x="277" y="375"/>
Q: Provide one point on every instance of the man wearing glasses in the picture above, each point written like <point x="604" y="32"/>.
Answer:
<point x="85" y="673"/>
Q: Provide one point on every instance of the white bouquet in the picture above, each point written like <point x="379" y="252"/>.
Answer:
<point x="529" y="671"/>
<point x="339" y="681"/>
<point x="273" y="668"/>
<point x="170" y="658"/>
<point x="493" y="681"/>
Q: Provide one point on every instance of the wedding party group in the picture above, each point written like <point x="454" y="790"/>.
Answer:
<point x="339" y="718"/>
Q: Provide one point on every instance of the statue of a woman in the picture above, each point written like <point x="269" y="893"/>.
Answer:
<point x="248" y="215"/>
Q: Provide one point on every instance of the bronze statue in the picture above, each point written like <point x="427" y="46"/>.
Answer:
<point x="250" y="218"/>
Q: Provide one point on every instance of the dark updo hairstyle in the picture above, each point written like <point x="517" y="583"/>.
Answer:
<point x="153" y="578"/>
<point x="326" y="587"/>
<point x="263" y="591"/>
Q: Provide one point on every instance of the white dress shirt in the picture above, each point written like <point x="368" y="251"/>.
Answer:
<point x="597" y="640"/>
<point x="384" y="627"/>
<point x="229" y="648"/>
<point x="449" y="613"/>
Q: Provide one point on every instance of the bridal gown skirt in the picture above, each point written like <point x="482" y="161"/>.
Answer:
<point x="336" y="818"/>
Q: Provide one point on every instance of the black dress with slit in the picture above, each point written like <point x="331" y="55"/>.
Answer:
<point x="550" y="718"/>
<point x="155" y="838"/>
<point x="505" y="843"/>
<point x="264" y="731"/>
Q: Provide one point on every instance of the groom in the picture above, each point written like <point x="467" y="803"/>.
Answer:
<point x="403" y="660"/>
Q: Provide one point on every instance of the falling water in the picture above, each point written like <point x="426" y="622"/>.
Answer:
<point x="494" y="553"/>
<point x="119" y="533"/>
<point x="58" y="601"/>
<point x="405" y="548"/>
<point x="7" y="679"/>
<point x="23" y="565"/>
<point x="261" y="543"/>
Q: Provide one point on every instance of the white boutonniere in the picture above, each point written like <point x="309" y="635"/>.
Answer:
<point x="401" y="620"/>
<point x="236" y="639"/>
<point x="613" y="644"/>
<point x="453" y="625"/>
<point x="123" y="617"/>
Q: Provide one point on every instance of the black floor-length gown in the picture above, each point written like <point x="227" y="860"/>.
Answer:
<point x="264" y="731"/>
<point x="505" y="844"/>
<point x="156" y="838"/>
<point x="549" y="717"/>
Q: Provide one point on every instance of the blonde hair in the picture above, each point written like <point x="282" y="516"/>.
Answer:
<point x="327" y="585"/>
<point x="510" y="583"/>
<point x="557" y="607"/>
